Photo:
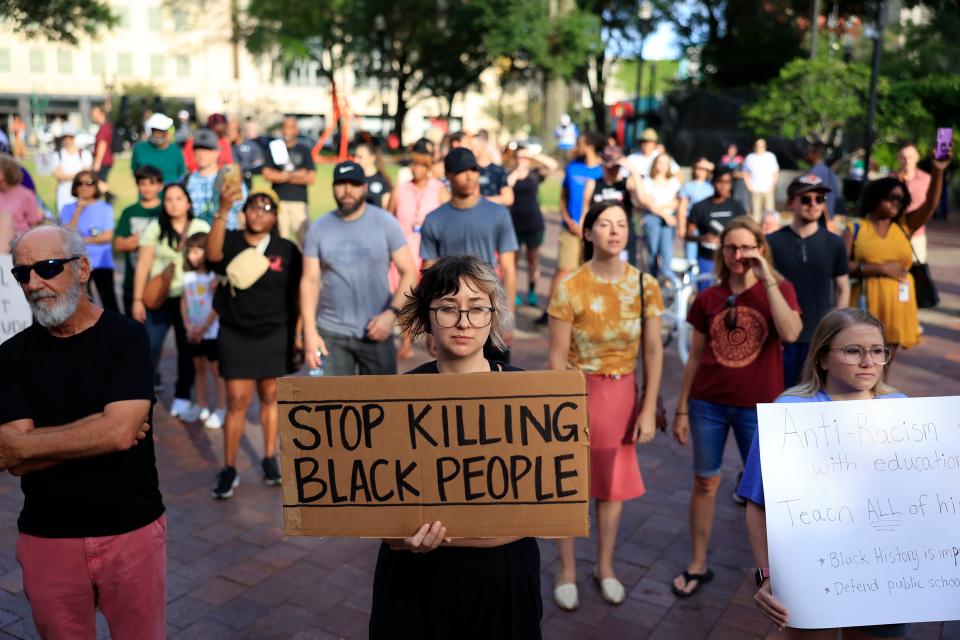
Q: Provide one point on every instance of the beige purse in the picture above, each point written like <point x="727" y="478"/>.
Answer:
<point x="248" y="266"/>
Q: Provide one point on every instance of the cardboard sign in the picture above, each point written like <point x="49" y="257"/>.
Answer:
<point x="15" y="313"/>
<point x="863" y="510"/>
<point x="488" y="454"/>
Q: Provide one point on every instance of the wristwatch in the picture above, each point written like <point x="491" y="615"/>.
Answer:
<point x="761" y="574"/>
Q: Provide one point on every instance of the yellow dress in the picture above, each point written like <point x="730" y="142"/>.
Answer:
<point x="900" y="320"/>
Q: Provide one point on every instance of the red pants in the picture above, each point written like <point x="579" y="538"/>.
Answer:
<point x="66" y="579"/>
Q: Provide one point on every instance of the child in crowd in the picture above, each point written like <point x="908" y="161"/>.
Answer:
<point x="133" y="220"/>
<point x="203" y="326"/>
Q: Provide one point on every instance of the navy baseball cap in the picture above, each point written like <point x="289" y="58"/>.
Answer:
<point x="459" y="160"/>
<point x="206" y="139"/>
<point x="349" y="171"/>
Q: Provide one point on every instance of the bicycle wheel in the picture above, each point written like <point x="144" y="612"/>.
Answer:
<point x="668" y="321"/>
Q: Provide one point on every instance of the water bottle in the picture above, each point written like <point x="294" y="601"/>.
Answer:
<point x="318" y="370"/>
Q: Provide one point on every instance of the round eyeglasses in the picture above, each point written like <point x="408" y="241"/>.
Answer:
<point x="449" y="317"/>
<point x="855" y="354"/>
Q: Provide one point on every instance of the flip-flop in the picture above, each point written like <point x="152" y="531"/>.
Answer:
<point x="701" y="579"/>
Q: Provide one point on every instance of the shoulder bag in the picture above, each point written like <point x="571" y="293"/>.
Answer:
<point x="926" y="290"/>
<point x="248" y="266"/>
<point x="157" y="290"/>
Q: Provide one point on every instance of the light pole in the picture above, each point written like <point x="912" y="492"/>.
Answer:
<point x="874" y="77"/>
<point x="644" y="22"/>
<point x="380" y="25"/>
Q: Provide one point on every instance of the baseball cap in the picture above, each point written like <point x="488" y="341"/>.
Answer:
<point x="159" y="121"/>
<point x="206" y="139"/>
<point x="349" y="171"/>
<point x="806" y="183"/>
<point x="183" y="114"/>
<point x="216" y="118"/>
<point x="649" y="135"/>
<point x="459" y="160"/>
<point x="611" y="155"/>
<point x="68" y="130"/>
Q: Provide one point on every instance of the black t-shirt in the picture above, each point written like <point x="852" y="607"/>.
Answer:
<point x="617" y="192"/>
<point x="377" y="187"/>
<point x="272" y="301"/>
<point x="493" y="178"/>
<point x="300" y="158"/>
<point x="712" y="217"/>
<point x="525" y="211"/>
<point x="56" y="381"/>
<point x="810" y="264"/>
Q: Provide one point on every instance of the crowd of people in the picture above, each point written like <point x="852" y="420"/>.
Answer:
<point x="255" y="289"/>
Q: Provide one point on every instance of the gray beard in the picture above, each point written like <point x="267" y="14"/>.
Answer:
<point x="54" y="315"/>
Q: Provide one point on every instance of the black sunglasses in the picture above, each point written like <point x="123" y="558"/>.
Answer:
<point x="730" y="320"/>
<point x="46" y="269"/>
<point x="808" y="200"/>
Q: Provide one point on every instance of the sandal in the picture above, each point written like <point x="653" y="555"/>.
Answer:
<point x="566" y="596"/>
<point x="700" y="578"/>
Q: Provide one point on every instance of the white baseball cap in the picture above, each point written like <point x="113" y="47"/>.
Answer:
<point x="159" y="121"/>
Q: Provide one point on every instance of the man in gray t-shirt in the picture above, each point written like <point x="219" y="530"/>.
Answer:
<point x="345" y="301"/>
<point x="470" y="225"/>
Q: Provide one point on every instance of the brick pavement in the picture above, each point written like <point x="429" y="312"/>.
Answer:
<point x="232" y="574"/>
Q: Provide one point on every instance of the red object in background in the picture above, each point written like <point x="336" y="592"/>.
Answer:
<point x="621" y="112"/>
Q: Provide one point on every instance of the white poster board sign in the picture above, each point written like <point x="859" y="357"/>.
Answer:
<point x="863" y="510"/>
<point x="15" y="313"/>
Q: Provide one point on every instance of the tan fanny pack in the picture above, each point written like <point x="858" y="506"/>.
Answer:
<point x="248" y="266"/>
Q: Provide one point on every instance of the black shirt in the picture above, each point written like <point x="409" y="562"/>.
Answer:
<point x="55" y="381"/>
<point x="525" y="211"/>
<point x="300" y="158"/>
<point x="272" y="301"/>
<point x="810" y="264"/>
<point x="377" y="187"/>
<point x="712" y="217"/>
<point x="493" y="178"/>
<point x="458" y="592"/>
<point x="617" y="192"/>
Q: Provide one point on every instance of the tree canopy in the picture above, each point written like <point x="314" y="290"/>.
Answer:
<point x="58" y="20"/>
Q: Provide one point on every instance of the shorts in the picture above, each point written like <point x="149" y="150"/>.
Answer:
<point x="532" y="239"/>
<point x="568" y="252"/>
<point x="204" y="349"/>
<point x="709" y="423"/>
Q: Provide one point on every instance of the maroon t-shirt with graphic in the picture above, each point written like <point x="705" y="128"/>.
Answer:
<point x="742" y="365"/>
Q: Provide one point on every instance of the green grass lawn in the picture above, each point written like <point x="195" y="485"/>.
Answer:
<point x="320" y="193"/>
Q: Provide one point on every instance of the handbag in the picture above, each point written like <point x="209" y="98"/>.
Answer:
<point x="157" y="290"/>
<point x="661" y="413"/>
<point x="926" y="290"/>
<point x="248" y="266"/>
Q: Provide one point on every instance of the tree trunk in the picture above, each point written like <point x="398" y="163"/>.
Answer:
<point x="401" y="114"/>
<point x="597" y="91"/>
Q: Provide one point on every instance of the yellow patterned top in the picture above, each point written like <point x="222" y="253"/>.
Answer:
<point x="606" y="318"/>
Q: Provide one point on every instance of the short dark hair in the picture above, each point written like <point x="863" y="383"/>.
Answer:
<point x="148" y="172"/>
<point x="720" y="172"/>
<point x="874" y="192"/>
<point x="198" y="239"/>
<point x="595" y="139"/>
<point x="79" y="176"/>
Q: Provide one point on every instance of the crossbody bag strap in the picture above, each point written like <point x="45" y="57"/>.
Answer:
<point x="912" y="250"/>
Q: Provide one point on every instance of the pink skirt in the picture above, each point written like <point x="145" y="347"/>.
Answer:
<point x="614" y="470"/>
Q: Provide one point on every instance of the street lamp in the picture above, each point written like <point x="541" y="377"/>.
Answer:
<point x="877" y="35"/>
<point x="380" y="26"/>
<point x="644" y="24"/>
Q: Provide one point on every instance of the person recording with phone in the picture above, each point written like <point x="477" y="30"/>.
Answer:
<point x="205" y="184"/>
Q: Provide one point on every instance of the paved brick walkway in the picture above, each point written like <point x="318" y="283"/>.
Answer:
<point x="232" y="574"/>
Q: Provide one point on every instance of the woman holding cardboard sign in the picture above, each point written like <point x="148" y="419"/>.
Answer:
<point x="429" y="586"/>
<point x="846" y="360"/>
<point x="598" y="315"/>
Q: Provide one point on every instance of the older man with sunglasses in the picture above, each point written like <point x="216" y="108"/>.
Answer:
<point x="76" y="392"/>
<point x="814" y="261"/>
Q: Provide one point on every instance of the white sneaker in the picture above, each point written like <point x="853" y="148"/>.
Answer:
<point x="215" y="419"/>
<point x="179" y="407"/>
<point x="204" y="414"/>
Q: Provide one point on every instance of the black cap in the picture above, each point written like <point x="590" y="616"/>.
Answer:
<point x="349" y="171"/>
<point x="805" y="184"/>
<point x="459" y="160"/>
<point x="206" y="139"/>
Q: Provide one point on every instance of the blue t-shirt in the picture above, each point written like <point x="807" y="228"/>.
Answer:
<point x="482" y="231"/>
<point x="695" y="191"/>
<point x="96" y="216"/>
<point x="751" y="485"/>
<point x="355" y="259"/>
<point x="575" y="181"/>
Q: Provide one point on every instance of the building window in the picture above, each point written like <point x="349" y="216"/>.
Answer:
<point x="38" y="63"/>
<point x="125" y="64"/>
<point x="180" y="20"/>
<point x="183" y="66"/>
<point x="98" y="63"/>
<point x="156" y="65"/>
<point x="64" y="62"/>
<point x="4" y="60"/>
<point x="155" y="18"/>
<point x="123" y="17"/>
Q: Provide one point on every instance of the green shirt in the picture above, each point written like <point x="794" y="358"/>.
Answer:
<point x="164" y="254"/>
<point x="133" y="221"/>
<point x="169" y="160"/>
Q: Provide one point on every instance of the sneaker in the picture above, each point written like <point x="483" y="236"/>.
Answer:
<point x="204" y="414"/>
<point x="227" y="481"/>
<point x="736" y="497"/>
<point x="271" y="471"/>
<point x="518" y="301"/>
<point x="215" y="419"/>
<point x="532" y="298"/>
<point x="185" y="410"/>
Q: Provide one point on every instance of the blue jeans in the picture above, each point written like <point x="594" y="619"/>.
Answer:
<point x="349" y="356"/>
<point x="690" y="250"/>
<point x="794" y="355"/>
<point x="709" y="423"/>
<point x="659" y="238"/>
<point x="706" y="267"/>
<point x="158" y="326"/>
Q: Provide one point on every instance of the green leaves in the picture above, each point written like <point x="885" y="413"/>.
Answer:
<point x="58" y="20"/>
